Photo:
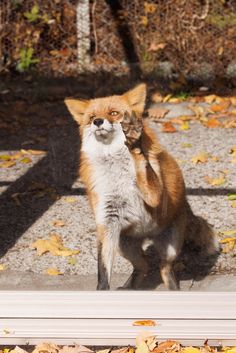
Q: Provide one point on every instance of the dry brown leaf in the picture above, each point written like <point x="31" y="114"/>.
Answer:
<point x="167" y="346"/>
<point x="58" y="223"/>
<point x="201" y="157"/>
<point x="210" y="98"/>
<point x="157" y="97"/>
<point x="18" y="350"/>
<point x="75" y="349"/>
<point x="198" y="110"/>
<point x="157" y="113"/>
<point x="215" y="181"/>
<point x="54" y="245"/>
<point x="222" y="106"/>
<point x="212" y="123"/>
<point x="149" y="7"/>
<point x="156" y="46"/>
<point x="46" y="348"/>
<point x="142" y="348"/>
<point x="144" y="323"/>
<point x="233" y="151"/>
<point x="7" y="164"/>
<point x="53" y="271"/>
<point x="233" y="100"/>
<point x="168" y="127"/>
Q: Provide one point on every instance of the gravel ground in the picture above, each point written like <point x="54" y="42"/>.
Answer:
<point x="35" y="194"/>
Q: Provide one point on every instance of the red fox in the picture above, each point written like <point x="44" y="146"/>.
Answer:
<point x="135" y="188"/>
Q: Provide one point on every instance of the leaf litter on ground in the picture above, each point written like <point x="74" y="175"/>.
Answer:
<point x="53" y="245"/>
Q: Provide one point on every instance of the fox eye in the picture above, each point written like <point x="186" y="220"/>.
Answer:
<point x="114" y="113"/>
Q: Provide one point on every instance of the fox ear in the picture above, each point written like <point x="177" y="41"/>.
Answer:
<point x="77" y="108"/>
<point x="136" y="98"/>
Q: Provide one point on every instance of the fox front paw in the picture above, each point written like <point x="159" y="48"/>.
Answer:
<point x="132" y="128"/>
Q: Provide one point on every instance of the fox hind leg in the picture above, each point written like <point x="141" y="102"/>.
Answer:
<point x="168" y="245"/>
<point x="131" y="249"/>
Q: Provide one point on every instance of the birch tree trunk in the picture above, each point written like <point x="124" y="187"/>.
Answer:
<point x="83" y="34"/>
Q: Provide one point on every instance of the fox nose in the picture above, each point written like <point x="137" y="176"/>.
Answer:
<point x="98" y="122"/>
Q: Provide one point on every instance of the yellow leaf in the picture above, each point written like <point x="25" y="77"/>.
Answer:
<point x="33" y="152"/>
<point x="26" y="160"/>
<point x="230" y="350"/>
<point x="144" y="323"/>
<point x="58" y="223"/>
<point x="191" y="350"/>
<point x="142" y="348"/>
<point x="5" y="157"/>
<point x="149" y="7"/>
<point x="7" y="164"/>
<point x="53" y="271"/>
<point x="233" y="204"/>
<point x="198" y="110"/>
<point x="233" y="100"/>
<point x="143" y="20"/>
<point x="54" y="245"/>
<point x="3" y="267"/>
<point x="215" y="181"/>
<point x="70" y="199"/>
<point x="202" y="157"/>
<point x="216" y="159"/>
<point x="184" y="126"/>
<point x="46" y="348"/>
<point x="186" y="145"/>
<point x="233" y="151"/>
<point x="229" y="232"/>
<point x="167" y="98"/>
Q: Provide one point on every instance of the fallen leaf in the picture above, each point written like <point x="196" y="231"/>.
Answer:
<point x="233" y="100"/>
<point x="167" y="346"/>
<point x="186" y="145"/>
<point x="142" y="348"/>
<point x="156" y="46"/>
<point x="233" y="112"/>
<point x="168" y="127"/>
<point x="33" y="152"/>
<point x="26" y="160"/>
<point x="210" y="98"/>
<point x="201" y="157"/>
<point x="72" y="261"/>
<point x="167" y="98"/>
<point x="198" y="110"/>
<point x="231" y="197"/>
<point x="233" y="151"/>
<point x="3" y="267"/>
<point x="191" y="350"/>
<point x="216" y="108"/>
<point x="216" y="159"/>
<point x="18" y="350"/>
<point x="184" y="126"/>
<point x="46" y="348"/>
<point x="76" y="349"/>
<point x="5" y="157"/>
<point x="70" y="199"/>
<point x="58" y="223"/>
<point x="144" y="323"/>
<point x="157" y="97"/>
<point x="149" y="7"/>
<point x="215" y="181"/>
<point x="7" y="164"/>
<point x="143" y="20"/>
<point x="54" y="245"/>
<point x="157" y="113"/>
<point x="229" y="232"/>
<point x="53" y="271"/>
<point x="212" y="123"/>
<point x="233" y="204"/>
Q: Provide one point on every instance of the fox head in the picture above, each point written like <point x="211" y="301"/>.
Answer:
<point x="101" y="117"/>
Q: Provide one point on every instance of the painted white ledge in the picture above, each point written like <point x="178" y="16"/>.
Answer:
<point x="105" y="318"/>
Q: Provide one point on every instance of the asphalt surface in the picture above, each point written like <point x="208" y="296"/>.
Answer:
<point x="36" y="194"/>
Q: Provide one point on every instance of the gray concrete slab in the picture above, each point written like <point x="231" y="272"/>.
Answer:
<point x="17" y="280"/>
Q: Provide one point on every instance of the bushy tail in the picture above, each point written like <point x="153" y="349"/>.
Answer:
<point x="201" y="234"/>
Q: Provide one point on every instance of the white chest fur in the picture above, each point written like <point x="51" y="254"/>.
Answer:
<point x="114" y="181"/>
